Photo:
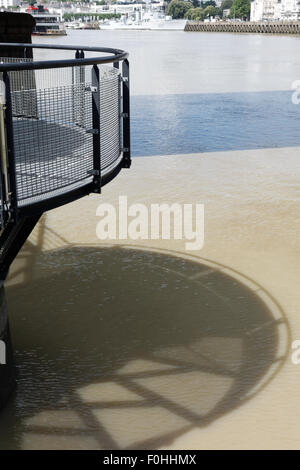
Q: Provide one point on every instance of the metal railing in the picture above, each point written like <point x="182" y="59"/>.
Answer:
<point x="64" y="127"/>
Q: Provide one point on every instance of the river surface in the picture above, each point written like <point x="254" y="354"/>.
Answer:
<point x="119" y="347"/>
<point x="205" y="92"/>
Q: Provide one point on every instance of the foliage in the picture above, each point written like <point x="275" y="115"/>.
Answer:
<point x="210" y="11"/>
<point x="240" y="9"/>
<point x="226" y="5"/>
<point x="177" y="8"/>
<point x="204" y="4"/>
<point x="199" y="14"/>
<point x="195" y="14"/>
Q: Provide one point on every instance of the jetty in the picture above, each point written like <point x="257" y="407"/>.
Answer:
<point x="276" y="27"/>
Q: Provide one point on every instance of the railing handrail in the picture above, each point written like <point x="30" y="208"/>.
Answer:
<point x="118" y="55"/>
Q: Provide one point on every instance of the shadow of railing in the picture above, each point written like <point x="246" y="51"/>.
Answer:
<point x="43" y="237"/>
<point x="124" y="348"/>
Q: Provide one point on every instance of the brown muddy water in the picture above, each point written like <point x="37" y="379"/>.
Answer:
<point x="126" y="348"/>
<point x="142" y="347"/>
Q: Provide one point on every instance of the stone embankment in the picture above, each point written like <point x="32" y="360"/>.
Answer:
<point x="275" y="27"/>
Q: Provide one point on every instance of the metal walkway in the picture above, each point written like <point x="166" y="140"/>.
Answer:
<point x="65" y="132"/>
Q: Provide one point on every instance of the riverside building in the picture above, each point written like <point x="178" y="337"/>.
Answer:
<point x="275" y="10"/>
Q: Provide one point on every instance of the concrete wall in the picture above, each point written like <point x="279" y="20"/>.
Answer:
<point x="247" y="27"/>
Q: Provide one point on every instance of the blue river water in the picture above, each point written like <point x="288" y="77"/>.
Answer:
<point x="193" y="123"/>
<point x="205" y="92"/>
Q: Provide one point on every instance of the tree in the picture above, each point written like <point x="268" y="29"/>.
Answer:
<point x="195" y="3"/>
<point x="209" y="11"/>
<point x="177" y="8"/>
<point x="240" y="9"/>
<point x="207" y="3"/>
<point x="195" y="14"/>
<point x="226" y="5"/>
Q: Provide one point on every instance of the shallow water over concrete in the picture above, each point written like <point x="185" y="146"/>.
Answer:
<point x="98" y="329"/>
<point x="126" y="348"/>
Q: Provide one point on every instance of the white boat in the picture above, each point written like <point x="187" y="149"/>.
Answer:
<point x="82" y="25"/>
<point x="47" y="24"/>
<point x="73" y="25"/>
<point x="146" y="21"/>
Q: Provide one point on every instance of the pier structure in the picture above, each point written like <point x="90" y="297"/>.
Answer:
<point x="65" y="133"/>
<point x="276" y="27"/>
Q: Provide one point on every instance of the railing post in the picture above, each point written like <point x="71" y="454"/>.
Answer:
<point x="3" y="157"/>
<point x="126" y="115"/>
<point x="13" y="202"/>
<point x="78" y="79"/>
<point x="82" y="69"/>
<point x="96" y="129"/>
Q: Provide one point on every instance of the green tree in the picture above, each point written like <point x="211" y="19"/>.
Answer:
<point x="195" y="3"/>
<point x="188" y="14"/>
<point x="240" y="9"/>
<point x="226" y="5"/>
<point x="195" y="14"/>
<point x="177" y="8"/>
<point x="209" y="11"/>
<point x="207" y="3"/>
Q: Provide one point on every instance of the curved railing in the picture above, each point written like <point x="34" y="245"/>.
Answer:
<point x="64" y="132"/>
<point x="64" y="126"/>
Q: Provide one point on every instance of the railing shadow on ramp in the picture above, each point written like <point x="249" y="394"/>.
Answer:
<point x="124" y="348"/>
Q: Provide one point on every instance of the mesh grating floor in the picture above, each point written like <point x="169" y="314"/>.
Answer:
<point x="51" y="129"/>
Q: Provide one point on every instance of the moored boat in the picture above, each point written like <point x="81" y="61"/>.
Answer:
<point x="47" y="24"/>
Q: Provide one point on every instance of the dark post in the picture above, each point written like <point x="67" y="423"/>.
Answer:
<point x="10" y="150"/>
<point x="126" y="115"/>
<point x="16" y="27"/>
<point x="96" y="128"/>
<point x="78" y="92"/>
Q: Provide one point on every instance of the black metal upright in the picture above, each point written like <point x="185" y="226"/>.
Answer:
<point x="13" y="203"/>
<point x="3" y="172"/>
<point x="126" y="115"/>
<point x="96" y="128"/>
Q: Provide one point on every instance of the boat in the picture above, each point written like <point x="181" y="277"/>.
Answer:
<point x="47" y="24"/>
<point x="146" y="21"/>
<point x="82" y="25"/>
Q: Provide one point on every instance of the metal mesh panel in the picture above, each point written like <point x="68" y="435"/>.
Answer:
<point x="109" y="118"/>
<point x="52" y="151"/>
<point x="53" y="145"/>
<point x="23" y="80"/>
